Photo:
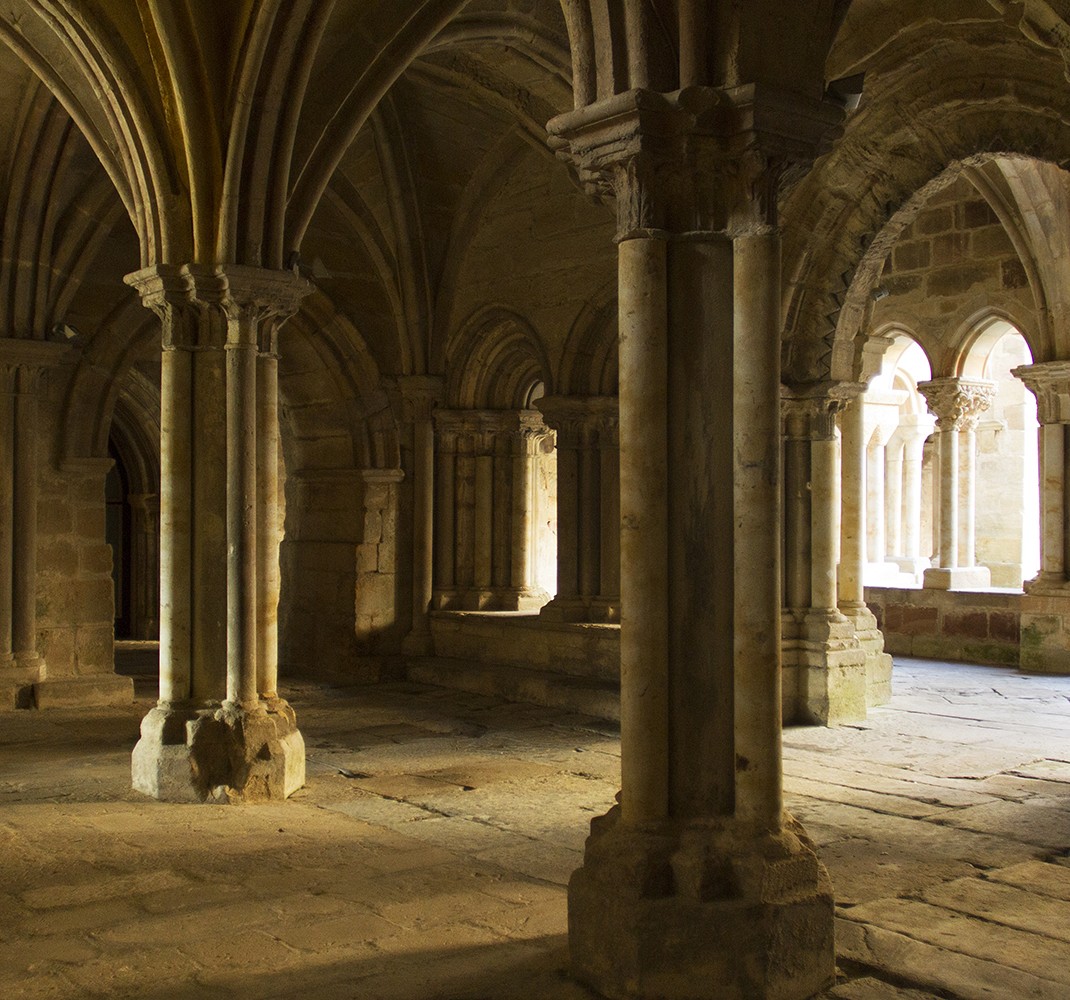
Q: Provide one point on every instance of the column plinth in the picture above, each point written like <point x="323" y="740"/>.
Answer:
<point x="705" y="885"/>
<point x="219" y="731"/>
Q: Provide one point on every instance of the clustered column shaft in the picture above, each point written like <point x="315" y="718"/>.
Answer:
<point x="700" y="838"/>
<point x="486" y="519"/>
<point x="588" y="508"/>
<point x="957" y="403"/>
<point x="219" y="575"/>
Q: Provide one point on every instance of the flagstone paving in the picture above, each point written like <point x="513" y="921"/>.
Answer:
<point x="427" y="857"/>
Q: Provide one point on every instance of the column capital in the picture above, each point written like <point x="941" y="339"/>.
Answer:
<point x="810" y="411"/>
<point x="699" y="161"/>
<point x="1049" y="381"/>
<point x="196" y="302"/>
<point x="571" y="416"/>
<point x="31" y="355"/>
<point x="420" y="395"/>
<point x="957" y="402"/>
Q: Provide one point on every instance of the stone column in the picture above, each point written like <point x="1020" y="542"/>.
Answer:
<point x="145" y="560"/>
<point x="528" y="435"/>
<point x="957" y="403"/>
<point x="606" y="607"/>
<point x="1045" y="621"/>
<point x="875" y="512"/>
<point x="22" y="363"/>
<point x="213" y="735"/>
<point x="421" y="393"/>
<point x="588" y="561"/>
<point x="691" y="872"/>
<point x="852" y="600"/>
<point x="830" y="662"/>
<point x="445" y="511"/>
<point x="486" y="522"/>
<point x="893" y="498"/>
<point x="913" y="430"/>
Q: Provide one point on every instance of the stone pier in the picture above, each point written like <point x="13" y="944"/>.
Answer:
<point x="219" y="731"/>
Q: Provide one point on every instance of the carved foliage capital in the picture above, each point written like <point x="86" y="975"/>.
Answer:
<point x="701" y="160"/>
<point x="206" y="306"/>
<point x="810" y="413"/>
<point x="957" y="403"/>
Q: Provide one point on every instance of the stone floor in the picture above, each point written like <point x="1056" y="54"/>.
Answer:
<point x="427" y="857"/>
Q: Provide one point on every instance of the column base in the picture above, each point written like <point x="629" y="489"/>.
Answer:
<point x="878" y="662"/>
<point x="219" y="753"/>
<point x="419" y="642"/>
<point x="832" y="670"/>
<point x="702" y="911"/>
<point x="957" y="578"/>
<point x="17" y="679"/>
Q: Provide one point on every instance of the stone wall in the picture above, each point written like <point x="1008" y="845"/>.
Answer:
<point x="75" y="592"/>
<point x="954" y="261"/>
<point x="945" y="625"/>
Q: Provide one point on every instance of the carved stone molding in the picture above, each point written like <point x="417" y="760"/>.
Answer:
<point x="957" y="403"/>
<point x="810" y="412"/>
<point x="208" y="306"/>
<point x="1050" y="383"/>
<point x="700" y="161"/>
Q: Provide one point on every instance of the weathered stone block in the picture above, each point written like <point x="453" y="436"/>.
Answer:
<point x="992" y="241"/>
<point x="912" y="256"/>
<point x="95" y="559"/>
<point x="955" y="279"/>
<point x="219" y="754"/>
<point x="968" y="623"/>
<point x="666" y="913"/>
<point x="367" y="558"/>
<point x="1012" y="274"/>
<point x="976" y="214"/>
<point x="1004" y="626"/>
<point x="83" y="692"/>
<point x="89" y="522"/>
<point x="934" y="220"/>
<point x="58" y="557"/>
<point x="54" y="519"/>
<point x="950" y="247"/>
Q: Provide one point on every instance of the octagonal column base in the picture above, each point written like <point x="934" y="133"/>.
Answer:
<point x="702" y="911"/>
<point x="219" y="753"/>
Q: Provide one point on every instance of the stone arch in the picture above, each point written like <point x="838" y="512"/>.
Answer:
<point x="494" y="361"/>
<point x="980" y="333"/>
<point x="589" y="361"/>
<point x="336" y="412"/>
<point x="128" y="334"/>
<point x="913" y="135"/>
<point x="134" y="442"/>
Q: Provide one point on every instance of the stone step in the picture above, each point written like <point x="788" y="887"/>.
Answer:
<point x="584" y="695"/>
